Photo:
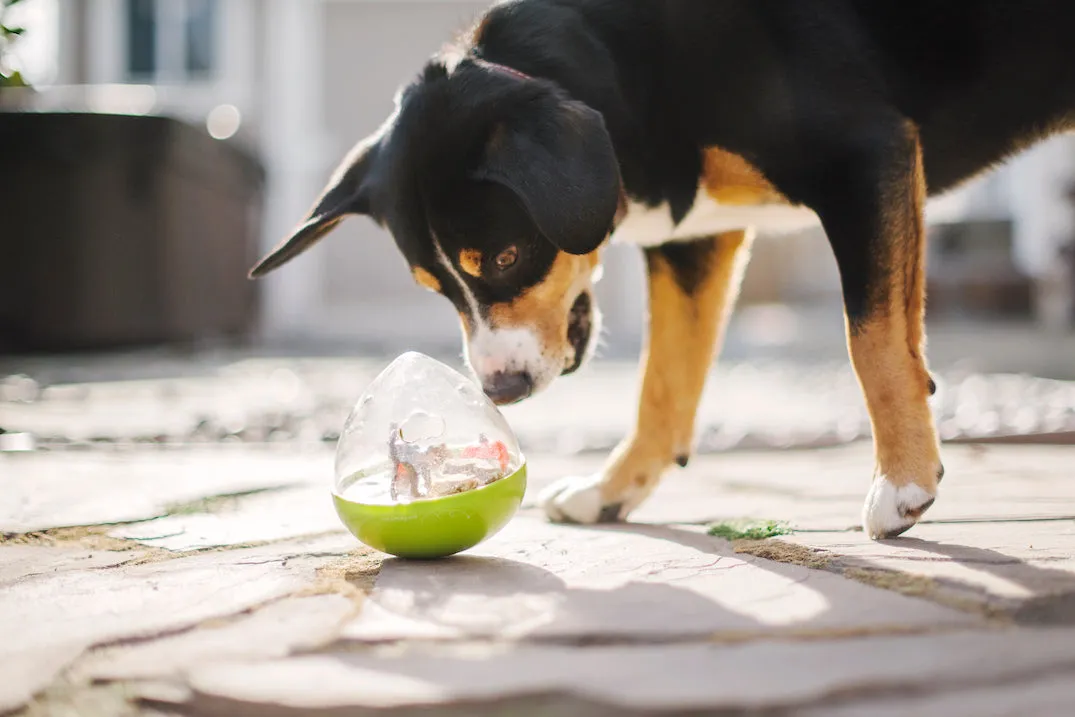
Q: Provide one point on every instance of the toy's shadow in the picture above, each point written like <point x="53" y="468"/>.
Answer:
<point x="499" y="597"/>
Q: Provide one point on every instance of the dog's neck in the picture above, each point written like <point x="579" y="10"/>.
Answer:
<point x="558" y="40"/>
<point x="608" y="66"/>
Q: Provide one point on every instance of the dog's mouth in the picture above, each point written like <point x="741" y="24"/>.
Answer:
<point x="579" y="328"/>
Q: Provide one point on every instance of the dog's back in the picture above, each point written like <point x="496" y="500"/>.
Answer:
<point x="986" y="76"/>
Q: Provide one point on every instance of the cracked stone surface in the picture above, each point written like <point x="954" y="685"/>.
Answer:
<point x="275" y="515"/>
<point x="173" y="554"/>
<point x="276" y="630"/>
<point x="21" y="562"/>
<point x="50" y="614"/>
<point x="641" y="679"/>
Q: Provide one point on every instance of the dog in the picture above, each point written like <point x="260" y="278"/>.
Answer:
<point x="553" y="127"/>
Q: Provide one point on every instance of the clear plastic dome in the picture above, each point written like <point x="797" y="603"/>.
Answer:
<point x="422" y="431"/>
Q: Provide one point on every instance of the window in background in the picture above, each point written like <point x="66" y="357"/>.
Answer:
<point x="199" y="36"/>
<point x="141" y="38"/>
<point x="171" y="40"/>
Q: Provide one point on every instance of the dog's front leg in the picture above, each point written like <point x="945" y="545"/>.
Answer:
<point x="692" y="288"/>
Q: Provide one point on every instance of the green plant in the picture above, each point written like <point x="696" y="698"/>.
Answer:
<point x="748" y="530"/>
<point x="9" y="77"/>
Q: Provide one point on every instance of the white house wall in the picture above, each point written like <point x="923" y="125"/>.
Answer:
<point x="1041" y="183"/>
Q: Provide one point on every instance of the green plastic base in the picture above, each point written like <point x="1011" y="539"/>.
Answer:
<point x="437" y="528"/>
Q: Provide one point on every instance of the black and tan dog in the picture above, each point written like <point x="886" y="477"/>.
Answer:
<point x="680" y="125"/>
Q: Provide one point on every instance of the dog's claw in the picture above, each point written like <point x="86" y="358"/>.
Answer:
<point x="610" y="513"/>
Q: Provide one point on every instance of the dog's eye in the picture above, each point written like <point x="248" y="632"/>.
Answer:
<point x="507" y="258"/>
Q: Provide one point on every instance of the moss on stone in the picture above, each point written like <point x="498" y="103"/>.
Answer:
<point x="749" y="529"/>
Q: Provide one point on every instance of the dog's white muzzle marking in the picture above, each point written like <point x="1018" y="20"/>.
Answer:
<point x="491" y="351"/>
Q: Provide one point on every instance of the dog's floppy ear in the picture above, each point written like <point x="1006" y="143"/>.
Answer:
<point x="345" y="194"/>
<point x="562" y="166"/>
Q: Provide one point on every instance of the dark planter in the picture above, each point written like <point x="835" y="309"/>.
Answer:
<point x="118" y="231"/>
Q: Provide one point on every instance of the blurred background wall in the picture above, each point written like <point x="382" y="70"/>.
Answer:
<point x="296" y="82"/>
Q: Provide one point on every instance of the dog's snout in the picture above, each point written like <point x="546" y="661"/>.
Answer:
<point x="508" y="387"/>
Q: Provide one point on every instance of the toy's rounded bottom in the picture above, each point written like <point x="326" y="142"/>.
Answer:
<point x="437" y="528"/>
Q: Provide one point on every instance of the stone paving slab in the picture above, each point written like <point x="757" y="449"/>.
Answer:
<point x="31" y="670"/>
<point x="276" y="630"/>
<point x="1050" y="696"/>
<point x="823" y="489"/>
<point x="646" y="679"/>
<point x="274" y="515"/>
<point x="21" y="562"/>
<point x="542" y="581"/>
<point x="39" y="491"/>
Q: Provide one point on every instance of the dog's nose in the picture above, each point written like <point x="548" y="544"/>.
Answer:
<point x="504" y="388"/>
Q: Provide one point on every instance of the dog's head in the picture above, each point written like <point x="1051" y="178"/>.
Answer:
<point x="499" y="190"/>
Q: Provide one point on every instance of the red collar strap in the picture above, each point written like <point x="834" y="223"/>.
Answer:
<point x="497" y="67"/>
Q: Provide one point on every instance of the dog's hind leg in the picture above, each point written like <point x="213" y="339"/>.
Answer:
<point x="871" y="202"/>
<point x="692" y="289"/>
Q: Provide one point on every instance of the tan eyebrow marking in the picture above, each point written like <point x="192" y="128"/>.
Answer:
<point x="424" y="278"/>
<point x="470" y="261"/>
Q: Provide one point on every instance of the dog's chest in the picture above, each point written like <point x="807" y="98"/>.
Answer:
<point x="732" y="194"/>
<point x="646" y="226"/>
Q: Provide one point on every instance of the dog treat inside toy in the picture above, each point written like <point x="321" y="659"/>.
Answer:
<point x="421" y="469"/>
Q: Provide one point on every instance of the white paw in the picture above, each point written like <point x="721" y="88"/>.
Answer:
<point x="891" y="511"/>
<point x="573" y="500"/>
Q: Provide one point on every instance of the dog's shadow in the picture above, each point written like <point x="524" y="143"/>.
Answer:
<point x="1051" y="590"/>
<point x="666" y="599"/>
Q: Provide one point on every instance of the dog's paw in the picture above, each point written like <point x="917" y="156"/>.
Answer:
<point x="891" y="511"/>
<point x="578" y="500"/>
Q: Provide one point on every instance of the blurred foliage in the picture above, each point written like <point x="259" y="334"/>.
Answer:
<point x="9" y="77"/>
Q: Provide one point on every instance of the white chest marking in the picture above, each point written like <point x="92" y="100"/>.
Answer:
<point x="644" y="226"/>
